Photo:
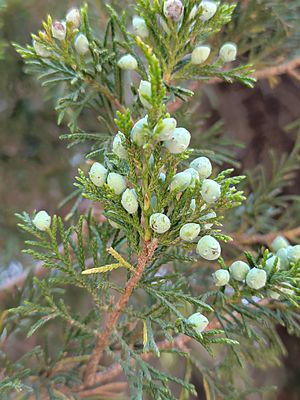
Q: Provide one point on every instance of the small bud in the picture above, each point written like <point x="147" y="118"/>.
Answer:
<point x="128" y="62"/>
<point x="81" y="44"/>
<point x="203" y="166"/>
<point x="116" y="182"/>
<point x="160" y="223"/>
<point x="256" y="279"/>
<point x="42" y="221"/>
<point x="210" y="191"/>
<point x="73" y="17"/>
<point x="40" y="49"/>
<point x="139" y="132"/>
<point x="193" y="12"/>
<point x="209" y="248"/>
<point x="282" y="254"/>
<point x="162" y="177"/>
<point x="228" y="52"/>
<point x="239" y="270"/>
<point x="165" y="128"/>
<point x="294" y="253"/>
<point x="145" y="93"/>
<point x="272" y="264"/>
<point x="173" y="9"/>
<point x="189" y="232"/>
<point x="208" y="216"/>
<point x="180" y="182"/>
<point x="59" y="30"/>
<point x="221" y="277"/>
<point x="118" y="147"/>
<point x="98" y="174"/>
<point x="139" y="27"/>
<point x="129" y="201"/>
<point x="278" y="243"/>
<point x="200" y="54"/>
<point x="179" y="142"/>
<point x="198" y="321"/>
<point x="209" y="8"/>
<point x="193" y="205"/>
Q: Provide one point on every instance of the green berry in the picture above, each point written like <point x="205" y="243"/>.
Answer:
<point x="98" y="174"/>
<point x="145" y="93"/>
<point x="200" y="54"/>
<point x="81" y="44"/>
<point x="209" y="8"/>
<point x="189" y="232"/>
<point x="165" y="128"/>
<point x="239" y="270"/>
<point x="42" y="221"/>
<point x="128" y="62"/>
<point x="198" y="321"/>
<point x="116" y="182"/>
<point x="118" y="146"/>
<point x="180" y="182"/>
<point x="209" y="248"/>
<point x="160" y="223"/>
<point x="203" y="166"/>
<point x="210" y="191"/>
<point x="228" y="52"/>
<point x="294" y="253"/>
<point x="278" y="243"/>
<point x="256" y="279"/>
<point x="139" y="132"/>
<point x="221" y="277"/>
<point x="129" y="201"/>
<point x="139" y="27"/>
<point x="179" y="142"/>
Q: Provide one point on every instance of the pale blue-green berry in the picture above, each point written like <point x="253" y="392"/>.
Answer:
<point x="256" y="278"/>
<point x="194" y="175"/>
<point x="210" y="191"/>
<point x="209" y="8"/>
<point x="200" y="54"/>
<point x="193" y="205"/>
<point x="139" y="27"/>
<point x="270" y="264"/>
<point x="228" y="52"/>
<point x="160" y="223"/>
<point x="40" y="49"/>
<point x="129" y="201"/>
<point x="173" y="9"/>
<point x="179" y="142"/>
<point x="128" y="62"/>
<point x="73" y="17"/>
<point x="165" y="128"/>
<point x="206" y="217"/>
<point x="209" y="248"/>
<point x="203" y="166"/>
<point x="278" y="243"/>
<point x="116" y="182"/>
<point x="81" y="44"/>
<point x="294" y="253"/>
<point x="221" y="277"/>
<point x="145" y="93"/>
<point x="98" y="174"/>
<point x="42" y="221"/>
<point x="239" y="270"/>
<point x="139" y="131"/>
<point x="189" y="232"/>
<point x="198" y="321"/>
<point x="162" y="176"/>
<point x="118" y="146"/>
<point x="59" y="30"/>
<point x="282" y="254"/>
<point x="180" y="181"/>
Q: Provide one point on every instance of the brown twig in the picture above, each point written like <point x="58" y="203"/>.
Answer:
<point x="101" y="342"/>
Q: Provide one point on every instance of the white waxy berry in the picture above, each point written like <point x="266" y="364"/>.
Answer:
<point x="209" y="248"/>
<point x="42" y="221"/>
<point x="239" y="270"/>
<point x="139" y="27"/>
<point x="208" y="216"/>
<point x="194" y="177"/>
<point x="81" y="44"/>
<point x="59" y="30"/>
<point x="209" y="8"/>
<point x="139" y="132"/>
<point x="198" y="321"/>
<point x="173" y="9"/>
<point x="129" y="201"/>
<point x="145" y="93"/>
<point x="279" y="242"/>
<point x="228" y="52"/>
<point x="272" y="264"/>
<point x="189" y="232"/>
<point x="294" y="253"/>
<point x="179" y="142"/>
<point x="200" y="54"/>
<point x="116" y="182"/>
<point x="210" y="191"/>
<point x="282" y="254"/>
<point x="98" y="174"/>
<point x="73" y="17"/>
<point x="165" y="128"/>
<point x="221" y="277"/>
<point x="203" y="166"/>
<point x="180" y="182"/>
<point x="40" y="49"/>
<point x="128" y="62"/>
<point x="118" y="146"/>
<point x="160" y="223"/>
<point x="256" y="278"/>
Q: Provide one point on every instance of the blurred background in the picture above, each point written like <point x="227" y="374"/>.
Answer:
<point x="37" y="170"/>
